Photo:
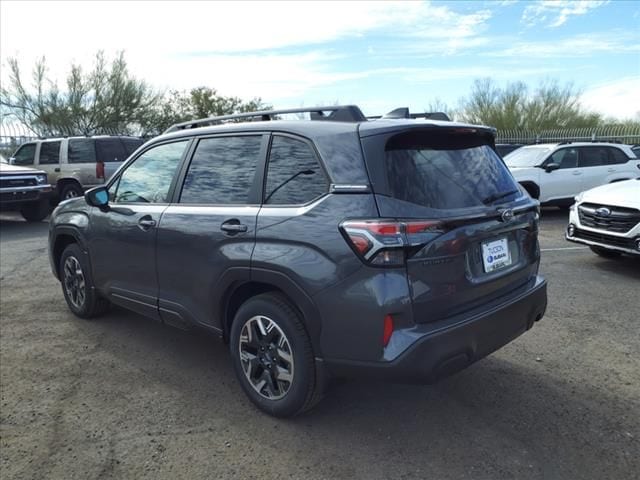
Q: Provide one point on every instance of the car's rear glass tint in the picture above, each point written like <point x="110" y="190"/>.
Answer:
<point x="447" y="174"/>
<point x="131" y="144"/>
<point x="82" y="150"/>
<point x="110" y="150"/>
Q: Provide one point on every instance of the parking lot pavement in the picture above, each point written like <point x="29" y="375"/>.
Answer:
<point x="124" y="397"/>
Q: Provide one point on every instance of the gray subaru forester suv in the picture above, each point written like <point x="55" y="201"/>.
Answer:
<point x="396" y="248"/>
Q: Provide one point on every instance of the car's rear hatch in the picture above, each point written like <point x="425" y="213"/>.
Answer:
<point x="471" y="232"/>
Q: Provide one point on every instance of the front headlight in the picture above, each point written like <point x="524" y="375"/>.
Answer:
<point x="41" y="179"/>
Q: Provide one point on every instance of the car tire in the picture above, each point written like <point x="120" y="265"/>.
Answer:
<point x="35" y="211"/>
<point x="77" y="285"/>
<point x="272" y="356"/>
<point x="605" y="252"/>
<point x="70" y="190"/>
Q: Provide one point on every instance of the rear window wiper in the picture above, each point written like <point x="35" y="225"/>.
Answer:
<point x="497" y="196"/>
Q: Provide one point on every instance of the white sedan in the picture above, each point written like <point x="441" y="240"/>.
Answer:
<point x="607" y="218"/>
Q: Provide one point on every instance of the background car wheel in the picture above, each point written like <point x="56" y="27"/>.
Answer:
<point x="70" y="190"/>
<point x="81" y="296"/>
<point x="272" y="356"/>
<point x="36" y="211"/>
<point x="603" y="252"/>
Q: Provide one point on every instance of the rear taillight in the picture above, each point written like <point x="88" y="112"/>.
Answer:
<point x="100" y="170"/>
<point x="386" y="243"/>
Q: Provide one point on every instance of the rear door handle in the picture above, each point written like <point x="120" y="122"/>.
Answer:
<point x="146" y="222"/>
<point x="611" y="170"/>
<point x="577" y="172"/>
<point x="233" y="226"/>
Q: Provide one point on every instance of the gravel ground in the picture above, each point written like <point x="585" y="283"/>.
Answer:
<point x="124" y="397"/>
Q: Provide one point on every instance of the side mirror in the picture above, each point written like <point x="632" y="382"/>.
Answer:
<point x="97" y="197"/>
<point x="12" y="160"/>
<point x="550" y="167"/>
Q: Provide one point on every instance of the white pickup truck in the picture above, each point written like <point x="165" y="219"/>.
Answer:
<point x="25" y="190"/>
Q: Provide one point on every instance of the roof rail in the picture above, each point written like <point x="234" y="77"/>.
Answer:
<point x="340" y="113"/>
<point x="403" y="112"/>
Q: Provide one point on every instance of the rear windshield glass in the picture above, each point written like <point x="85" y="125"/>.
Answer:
<point x="447" y="178"/>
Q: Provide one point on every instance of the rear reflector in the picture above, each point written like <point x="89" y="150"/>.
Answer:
<point x="388" y="330"/>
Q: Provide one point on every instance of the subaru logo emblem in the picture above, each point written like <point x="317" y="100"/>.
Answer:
<point x="603" y="212"/>
<point x="506" y="215"/>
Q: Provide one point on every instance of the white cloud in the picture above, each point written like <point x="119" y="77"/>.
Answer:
<point x="272" y="49"/>
<point x="273" y="77"/>
<point x="553" y="13"/>
<point x="585" y="45"/>
<point x="618" y="99"/>
<point x="178" y="27"/>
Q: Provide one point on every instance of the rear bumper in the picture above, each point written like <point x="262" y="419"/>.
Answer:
<point x="437" y="353"/>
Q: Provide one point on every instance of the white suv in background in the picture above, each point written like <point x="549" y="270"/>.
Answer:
<point x="555" y="173"/>
<point x="607" y="218"/>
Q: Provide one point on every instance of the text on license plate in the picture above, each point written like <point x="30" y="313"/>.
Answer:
<point x="495" y="254"/>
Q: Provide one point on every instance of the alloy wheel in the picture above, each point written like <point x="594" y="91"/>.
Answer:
<point x="266" y="357"/>
<point x="74" y="282"/>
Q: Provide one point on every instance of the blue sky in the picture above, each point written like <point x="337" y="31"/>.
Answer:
<point x="379" y="55"/>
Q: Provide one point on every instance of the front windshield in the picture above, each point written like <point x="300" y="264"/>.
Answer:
<point x="527" y="156"/>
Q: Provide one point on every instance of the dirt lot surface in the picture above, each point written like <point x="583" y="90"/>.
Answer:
<point x="124" y="397"/>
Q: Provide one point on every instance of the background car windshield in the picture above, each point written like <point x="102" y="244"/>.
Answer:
<point x="527" y="156"/>
<point x="447" y="179"/>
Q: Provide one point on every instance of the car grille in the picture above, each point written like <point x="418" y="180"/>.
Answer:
<point x="8" y="182"/>
<point x="619" y="220"/>
<point x="18" y="196"/>
<point x="605" y="239"/>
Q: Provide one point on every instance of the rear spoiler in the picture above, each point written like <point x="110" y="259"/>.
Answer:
<point x="403" y="112"/>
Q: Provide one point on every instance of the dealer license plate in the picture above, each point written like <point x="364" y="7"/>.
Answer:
<point x="496" y="255"/>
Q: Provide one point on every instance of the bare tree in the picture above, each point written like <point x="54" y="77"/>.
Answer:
<point x="515" y="107"/>
<point x="105" y="99"/>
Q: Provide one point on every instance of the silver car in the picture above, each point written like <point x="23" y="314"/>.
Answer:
<point x="75" y="164"/>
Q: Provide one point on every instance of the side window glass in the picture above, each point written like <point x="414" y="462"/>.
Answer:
<point x="25" y="154"/>
<point x="131" y="144"/>
<point x="149" y="177"/>
<point x="49" y="153"/>
<point x="593" y="157"/>
<point x="222" y="170"/>
<point x="82" y="150"/>
<point x="294" y="175"/>
<point x="566" y="158"/>
<point x="110" y="150"/>
<point x="617" y="156"/>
